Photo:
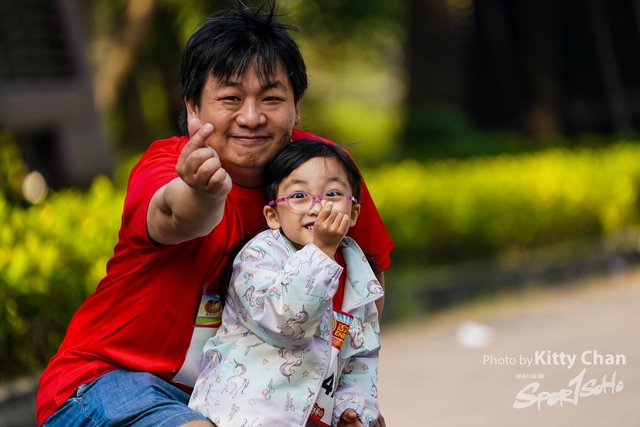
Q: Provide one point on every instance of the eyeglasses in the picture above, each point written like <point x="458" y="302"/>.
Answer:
<point x="301" y="201"/>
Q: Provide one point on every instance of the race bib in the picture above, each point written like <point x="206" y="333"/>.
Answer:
<point x="323" y="407"/>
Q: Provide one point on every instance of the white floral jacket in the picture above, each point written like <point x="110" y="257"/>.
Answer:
<point x="266" y="363"/>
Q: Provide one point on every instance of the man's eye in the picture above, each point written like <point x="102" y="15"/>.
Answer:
<point x="298" y="195"/>
<point x="224" y="98"/>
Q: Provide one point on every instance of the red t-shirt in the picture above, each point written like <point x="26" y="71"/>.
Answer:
<point x="339" y="295"/>
<point x="142" y="314"/>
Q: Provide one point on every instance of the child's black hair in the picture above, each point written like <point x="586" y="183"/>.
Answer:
<point x="296" y="153"/>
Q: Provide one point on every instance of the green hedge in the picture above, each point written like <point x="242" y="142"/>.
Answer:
<point x="53" y="254"/>
<point x="450" y="210"/>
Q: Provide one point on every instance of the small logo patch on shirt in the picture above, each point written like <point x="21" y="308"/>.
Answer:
<point x="210" y="311"/>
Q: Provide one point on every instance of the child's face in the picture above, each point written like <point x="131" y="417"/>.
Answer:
<point x="316" y="176"/>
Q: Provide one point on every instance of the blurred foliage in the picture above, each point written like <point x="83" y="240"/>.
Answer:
<point x="444" y="132"/>
<point x="353" y="52"/>
<point x="449" y="210"/>
<point x="52" y="255"/>
<point x="12" y="168"/>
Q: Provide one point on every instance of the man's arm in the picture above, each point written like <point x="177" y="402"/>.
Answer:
<point x="193" y="204"/>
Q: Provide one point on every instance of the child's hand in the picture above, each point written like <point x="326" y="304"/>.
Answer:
<point x="330" y="228"/>
<point x="349" y="418"/>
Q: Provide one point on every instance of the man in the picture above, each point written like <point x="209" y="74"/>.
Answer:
<point x="133" y="350"/>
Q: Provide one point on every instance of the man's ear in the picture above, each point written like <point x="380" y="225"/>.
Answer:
<point x="298" y="112"/>
<point x="192" y="108"/>
<point x="271" y="217"/>
<point x="193" y="118"/>
<point x="355" y="211"/>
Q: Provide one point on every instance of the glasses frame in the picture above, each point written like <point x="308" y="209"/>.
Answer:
<point x="314" y="198"/>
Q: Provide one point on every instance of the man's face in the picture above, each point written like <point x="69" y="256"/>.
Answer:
<point x="252" y="121"/>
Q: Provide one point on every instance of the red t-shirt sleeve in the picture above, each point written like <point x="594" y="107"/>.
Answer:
<point x="369" y="232"/>
<point x="156" y="168"/>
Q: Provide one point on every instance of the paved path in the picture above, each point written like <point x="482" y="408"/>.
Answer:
<point x="427" y="378"/>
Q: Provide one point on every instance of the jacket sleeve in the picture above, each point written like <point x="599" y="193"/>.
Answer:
<point x="358" y="386"/>
<point x="282" y="296"/>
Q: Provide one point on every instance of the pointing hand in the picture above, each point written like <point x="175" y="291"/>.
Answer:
<point x="199" y="165"/>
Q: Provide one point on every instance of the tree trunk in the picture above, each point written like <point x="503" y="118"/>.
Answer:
<point x="430" y="63"/>
<point x="116" y="64"/>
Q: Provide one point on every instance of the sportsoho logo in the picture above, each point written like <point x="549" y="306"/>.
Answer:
<point x="577" y="388"/>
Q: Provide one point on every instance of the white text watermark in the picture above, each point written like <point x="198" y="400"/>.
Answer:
<point x="548" y="358"/>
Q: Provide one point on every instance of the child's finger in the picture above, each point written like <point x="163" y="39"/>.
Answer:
<point x="349" y="416"/>
<point x="325" y="212"/>
<point x="345" y="222"/>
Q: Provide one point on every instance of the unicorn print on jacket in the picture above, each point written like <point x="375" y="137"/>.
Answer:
<point x="236" y="381"/>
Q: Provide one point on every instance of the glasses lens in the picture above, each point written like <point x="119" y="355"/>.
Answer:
<point x="300" y="201"/>
<point x="338" y="198"/>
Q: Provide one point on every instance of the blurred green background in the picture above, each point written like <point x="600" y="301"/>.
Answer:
<point x="494" y="136"/>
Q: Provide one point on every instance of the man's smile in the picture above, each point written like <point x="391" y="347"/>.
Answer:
<point x="250" y="139"/>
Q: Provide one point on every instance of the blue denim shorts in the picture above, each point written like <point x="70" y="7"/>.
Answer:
<point x="125" y="398"/>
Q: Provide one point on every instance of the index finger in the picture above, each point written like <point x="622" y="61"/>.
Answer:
<point x="324" y="211"/>
<point x="193" y="125"/>
<point x="199" y="140"/>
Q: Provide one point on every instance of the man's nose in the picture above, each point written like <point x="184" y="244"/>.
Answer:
<point x="251" y="115"/>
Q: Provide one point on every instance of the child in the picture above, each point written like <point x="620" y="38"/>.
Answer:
<point x="299" y="339"/>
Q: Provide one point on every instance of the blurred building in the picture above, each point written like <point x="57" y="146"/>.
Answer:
<point x="559" y="65"/>
<point x="543" y="66"/>
<point x="46" y="93"/>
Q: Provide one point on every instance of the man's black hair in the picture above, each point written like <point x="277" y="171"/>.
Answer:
<point x="296" y="153"/>
<point x="229" y="41"/>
